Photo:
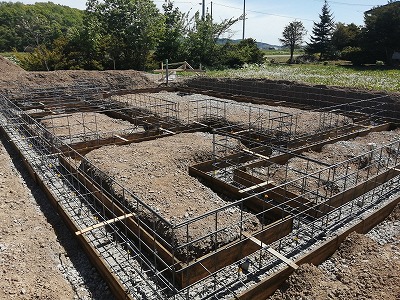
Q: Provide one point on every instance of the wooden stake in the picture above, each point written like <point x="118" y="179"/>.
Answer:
<point x="101" y="224"/>
<point x="256" y="154"/>
<point x="272" y="251"/>
<point x="167" y="131"/>
<point x="253" y="187"/>
<point x="120" y="137"/>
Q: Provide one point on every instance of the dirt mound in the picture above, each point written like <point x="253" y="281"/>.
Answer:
<point x="128" y="79"/>
<point x="7" y="66"/>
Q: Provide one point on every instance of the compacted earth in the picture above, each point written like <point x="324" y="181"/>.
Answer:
<point x="40" y="259"/>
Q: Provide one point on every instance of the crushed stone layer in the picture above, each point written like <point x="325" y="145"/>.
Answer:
<point x="332" y="154"/>
<point x="238" y="113"/>
<point x="157" y="172"/>
<point x="77" y="127"/>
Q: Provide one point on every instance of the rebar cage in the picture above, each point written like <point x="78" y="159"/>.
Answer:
<point x="142" y="248"/>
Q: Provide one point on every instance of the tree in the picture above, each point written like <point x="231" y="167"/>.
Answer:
<point x="292" y="36"/>
<point x="382" y="30"/>
<point x="175" y="24"/>
<point x="23" y="27"/>
<point x="346" y="36"/>
<point x="200" y="44"/>
<point x="236" y="55"/>
<point x="132" y="28"/>
<point x="322" y="34"/>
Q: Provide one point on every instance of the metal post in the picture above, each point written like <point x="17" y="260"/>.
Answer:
<point x="166" y="71"/>
<point x="211" y="10"/>
<point x="203" y="10"/>
<point x="244" y="18"/>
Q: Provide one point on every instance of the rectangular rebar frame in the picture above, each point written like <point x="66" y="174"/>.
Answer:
<point x="54" y="165"/>
<point x="299" y="235"/>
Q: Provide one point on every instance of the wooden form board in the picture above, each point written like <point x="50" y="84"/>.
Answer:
<point x="277" y="194"/>
<point x="255" y="204"/>
<point x="357" y="191"/>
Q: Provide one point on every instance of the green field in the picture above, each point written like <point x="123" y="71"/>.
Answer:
<point x="370" y="78"/>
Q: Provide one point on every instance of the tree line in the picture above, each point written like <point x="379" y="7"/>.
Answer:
<point x="377" y="40"/>
<point x="134" y="34"/>
<point x="123" y="34"/>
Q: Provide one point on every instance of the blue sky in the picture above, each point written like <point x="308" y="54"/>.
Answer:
<point x="266" y="19"/>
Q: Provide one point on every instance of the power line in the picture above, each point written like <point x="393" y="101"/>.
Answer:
<point x="263" y="13"/>
<point x="347" y="3"/>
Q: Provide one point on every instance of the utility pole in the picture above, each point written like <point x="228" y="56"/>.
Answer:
<point x="203" y="10"/>
<point x="244" y="18"/>
<point x="211" y="10"/>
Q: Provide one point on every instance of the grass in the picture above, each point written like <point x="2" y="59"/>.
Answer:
<point x="369" y="78"/>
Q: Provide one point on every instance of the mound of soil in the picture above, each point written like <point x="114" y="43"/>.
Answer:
<point x="7" y="67"/>
<point x="359" y="269"/>
<point x="24" y="81"/>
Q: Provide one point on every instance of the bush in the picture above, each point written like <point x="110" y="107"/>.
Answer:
<point x="358" y="56"/>
<point x="306" y="59"/>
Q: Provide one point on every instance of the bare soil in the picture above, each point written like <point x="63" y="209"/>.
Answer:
<point x="157" y="172"/>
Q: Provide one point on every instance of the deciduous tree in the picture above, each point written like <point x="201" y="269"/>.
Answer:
<point x="292" y="36"/>
<point x="172" y="37"/>
<point x="133" y="27"/>
<point x="382" y="30"/>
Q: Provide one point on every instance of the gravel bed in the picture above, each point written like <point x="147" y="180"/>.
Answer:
<point x="332" y="181"/>
<point x="85" y="126"/>
<point x="241" y="113"/>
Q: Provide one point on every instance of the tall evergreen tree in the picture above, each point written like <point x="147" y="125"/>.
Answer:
<point x="322" y="34"/>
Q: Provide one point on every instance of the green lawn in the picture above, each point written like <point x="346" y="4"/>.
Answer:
<point x="345" y="76"/>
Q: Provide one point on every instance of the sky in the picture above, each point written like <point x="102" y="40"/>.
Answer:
<point x="266" y="19"/>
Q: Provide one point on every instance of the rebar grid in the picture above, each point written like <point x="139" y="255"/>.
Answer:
<point x="295" y="94"/>
<point x="163" y="109"/>
<point x="138" y="264"/>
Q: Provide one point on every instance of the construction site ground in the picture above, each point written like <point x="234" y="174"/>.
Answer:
<point x="40" y="259"/>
